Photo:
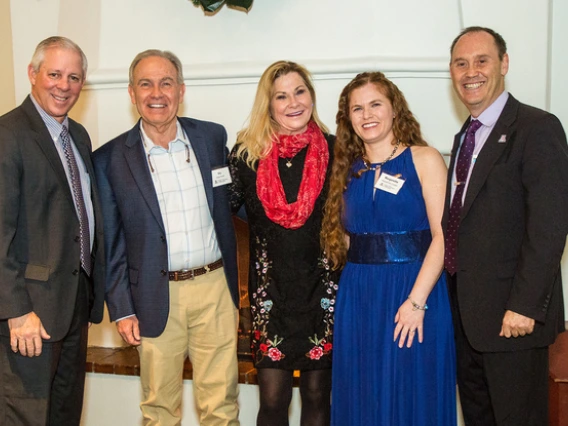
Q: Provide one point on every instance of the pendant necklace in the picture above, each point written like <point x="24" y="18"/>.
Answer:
<point x="288" y="162"/>
<point x="378" y="165"/>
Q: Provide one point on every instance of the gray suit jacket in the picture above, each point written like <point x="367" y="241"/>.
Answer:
<point x="513" y="229"/>
<point x="136" y="246"/>
<point x="39" y="228"/>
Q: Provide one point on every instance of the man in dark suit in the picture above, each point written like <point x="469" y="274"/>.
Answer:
<point x="505" y="224"/>
<point x="51" y="270"/>
<point x="171" y="250"/>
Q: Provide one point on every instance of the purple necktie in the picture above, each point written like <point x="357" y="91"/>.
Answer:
<point x="79" y="201"/>
<point x="462" y="170"/>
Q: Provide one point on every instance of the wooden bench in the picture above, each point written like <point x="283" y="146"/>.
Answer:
<point x="124" y="361"/>
<point x="558" y="381"/>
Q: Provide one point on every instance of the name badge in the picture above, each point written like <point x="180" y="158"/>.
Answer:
<point x="389" y="183"/>
<point x="221" y="176"/>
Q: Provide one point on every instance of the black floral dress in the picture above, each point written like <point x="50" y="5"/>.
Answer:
<point x="291" y="286"/>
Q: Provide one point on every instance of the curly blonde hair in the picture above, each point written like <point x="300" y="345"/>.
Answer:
<point x="255" y="141"/>
<point x="349" y="147"/>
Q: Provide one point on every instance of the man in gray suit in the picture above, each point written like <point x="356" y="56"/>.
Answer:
<point x="51" y="275"/>
<point x="172" y="284"/>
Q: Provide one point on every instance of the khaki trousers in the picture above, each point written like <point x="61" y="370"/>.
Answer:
<point x="202" y="323"/>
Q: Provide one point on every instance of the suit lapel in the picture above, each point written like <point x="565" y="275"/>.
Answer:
<point x="490" y="152"/>
<point x="43" y="138"/>
<point x="198" y="143"/>
<point x="137" y="162"/>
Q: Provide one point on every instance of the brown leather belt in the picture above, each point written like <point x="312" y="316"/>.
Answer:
<point x="189" y="274"/>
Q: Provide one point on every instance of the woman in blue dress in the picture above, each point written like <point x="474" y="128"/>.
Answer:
<point x="393" y="361"/>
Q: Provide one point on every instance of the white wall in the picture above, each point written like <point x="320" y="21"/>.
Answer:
<point x="114" y="400"/>
<point x="224" y="55"/>
<point x="8" y="99"/>
<point x="559" y="61"/>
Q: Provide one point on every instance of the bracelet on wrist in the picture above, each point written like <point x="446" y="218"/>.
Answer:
<point x="416" y="306"/>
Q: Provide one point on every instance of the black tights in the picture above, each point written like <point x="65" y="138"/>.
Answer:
<point x="275" y="388"/>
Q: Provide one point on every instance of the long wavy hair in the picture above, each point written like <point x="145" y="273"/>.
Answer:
<point x="255" y="141"/>
<point x="349" y="148"/>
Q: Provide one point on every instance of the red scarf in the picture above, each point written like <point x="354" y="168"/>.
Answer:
<point x="269" y="185"/>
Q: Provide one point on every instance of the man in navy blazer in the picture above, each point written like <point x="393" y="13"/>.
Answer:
<point x="505" y="224"/>
<point x="171" y="282"/>
<point x="51" y="273"/>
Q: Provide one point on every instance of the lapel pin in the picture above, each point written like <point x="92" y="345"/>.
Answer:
<point x="502" y="139"/>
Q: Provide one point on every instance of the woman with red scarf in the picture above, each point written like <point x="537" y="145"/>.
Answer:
<point x="280" y="167"/>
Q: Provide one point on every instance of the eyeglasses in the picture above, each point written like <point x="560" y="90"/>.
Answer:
<point x="187" y="159"/>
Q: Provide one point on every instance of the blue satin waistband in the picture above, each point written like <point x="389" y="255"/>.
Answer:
<point x="389" y="247"/>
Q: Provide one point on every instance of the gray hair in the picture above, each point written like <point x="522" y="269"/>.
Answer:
<point x="160" y="53"/>
<point x="59" y="42"/>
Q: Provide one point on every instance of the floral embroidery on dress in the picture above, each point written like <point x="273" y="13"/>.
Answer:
<point x="322" y="346"/>
<point x="270" y="349"/>
<point x="236" y="190"/>
<point x="260" y="310"/>
<point x="267" y="346"/>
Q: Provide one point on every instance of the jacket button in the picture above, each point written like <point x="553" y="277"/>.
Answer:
<point x="77" y="238"/>
<point x="163" y="238"/>
<point x="163" y="272"/>
<point x="76" y="272"/>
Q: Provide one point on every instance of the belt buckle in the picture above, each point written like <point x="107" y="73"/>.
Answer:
<point x="190" y="273"/>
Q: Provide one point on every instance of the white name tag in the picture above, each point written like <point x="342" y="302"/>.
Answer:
<point x="221" y="176"/>
<point x="389" y="183"/>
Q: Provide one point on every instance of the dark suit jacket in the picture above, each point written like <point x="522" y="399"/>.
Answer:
<point x="513" y="229"/>
<point x="136" y="245"/>
<point x="39" y="228"/>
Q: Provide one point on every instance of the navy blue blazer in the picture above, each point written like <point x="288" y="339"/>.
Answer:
<point x="135" y="242"/>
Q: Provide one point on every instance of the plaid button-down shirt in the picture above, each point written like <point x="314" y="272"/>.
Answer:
<point x="190" y="233"/>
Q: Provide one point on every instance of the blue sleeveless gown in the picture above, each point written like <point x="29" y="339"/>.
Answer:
<point x="375" y="383"/>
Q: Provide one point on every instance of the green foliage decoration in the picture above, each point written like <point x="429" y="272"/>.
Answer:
<point x="214" y="5"/>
